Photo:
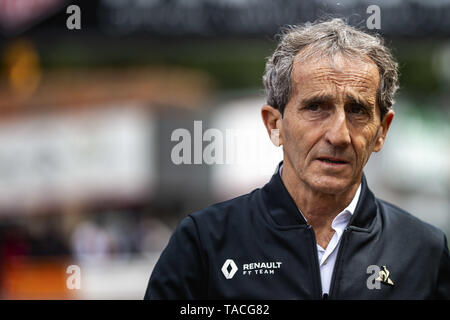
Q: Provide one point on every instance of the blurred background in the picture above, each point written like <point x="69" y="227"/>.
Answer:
<point x="93" y="121"/>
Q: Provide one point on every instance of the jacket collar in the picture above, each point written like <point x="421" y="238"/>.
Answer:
<point x="284" y="211"/>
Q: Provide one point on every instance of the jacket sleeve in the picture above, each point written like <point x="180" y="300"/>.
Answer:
<point x="443" y="282"/>
<point x="179" y="273"/>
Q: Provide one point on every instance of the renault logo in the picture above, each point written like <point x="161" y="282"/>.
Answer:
<point x="229" y="268"/>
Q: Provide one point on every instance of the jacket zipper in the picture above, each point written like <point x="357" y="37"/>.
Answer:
<point x="337" y="263"/>
<point x="316" y="263"/>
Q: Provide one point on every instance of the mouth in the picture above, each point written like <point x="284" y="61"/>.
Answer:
<point x="332" y="161"/>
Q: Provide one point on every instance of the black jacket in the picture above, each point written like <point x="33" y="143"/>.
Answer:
<point x="263" y="232"/>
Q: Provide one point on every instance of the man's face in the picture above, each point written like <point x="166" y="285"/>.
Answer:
<point x="331" y="124"/>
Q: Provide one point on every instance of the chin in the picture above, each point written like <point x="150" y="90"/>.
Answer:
<point x="330" y="185"/>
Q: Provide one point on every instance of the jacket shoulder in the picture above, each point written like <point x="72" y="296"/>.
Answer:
<point x="399" y="219"/>
<point x="232" y="209"/>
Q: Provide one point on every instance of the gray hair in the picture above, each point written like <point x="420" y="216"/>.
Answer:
<point x="328" y="37"/>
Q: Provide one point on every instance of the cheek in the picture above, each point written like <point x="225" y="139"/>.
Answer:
<point x="294" y="131"/>
<point x="364" y="144"/>
<point x="300" y="138"/>
<point x="293" y="137"/>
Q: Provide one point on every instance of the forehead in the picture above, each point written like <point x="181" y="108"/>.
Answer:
<point x="335" y="74"/>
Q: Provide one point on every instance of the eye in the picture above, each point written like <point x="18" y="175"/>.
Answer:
<point x="313" y="106"/>
<point x="357" y="109"/>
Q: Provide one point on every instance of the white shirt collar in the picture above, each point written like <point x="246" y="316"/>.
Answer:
<point x="352" y="206"/>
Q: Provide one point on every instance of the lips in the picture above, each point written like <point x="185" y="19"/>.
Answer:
<point x="333" y="160"/>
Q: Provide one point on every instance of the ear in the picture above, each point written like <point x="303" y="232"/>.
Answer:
<point x="384" y="127"/>
<point x="272" y="120"/>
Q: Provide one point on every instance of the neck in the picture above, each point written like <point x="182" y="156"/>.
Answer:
<point x="319" y="208"/>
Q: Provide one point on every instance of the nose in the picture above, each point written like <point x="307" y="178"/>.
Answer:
<point x="338" y="134"/>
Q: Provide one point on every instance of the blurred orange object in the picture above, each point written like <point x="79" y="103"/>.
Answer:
<point x="33" y="278"/>
<point x="24" y="72"/>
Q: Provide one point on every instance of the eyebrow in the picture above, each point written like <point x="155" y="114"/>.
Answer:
<point x="358" y="100"/>
<point x="324" y="97"/>
<point x="321" y="97"/>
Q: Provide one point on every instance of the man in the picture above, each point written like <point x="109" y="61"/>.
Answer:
<point x="315" y="230"/>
